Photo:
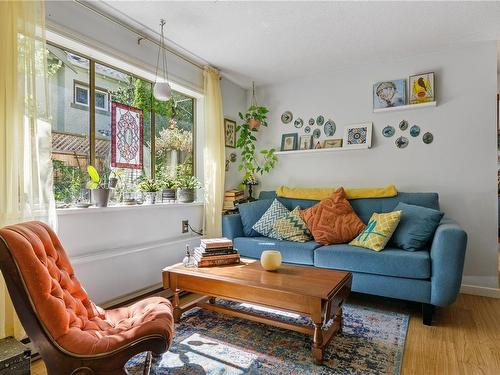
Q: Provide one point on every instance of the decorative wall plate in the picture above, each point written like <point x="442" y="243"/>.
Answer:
<point x="402" y="142"/>
<point x="329" y="128"/>
<point x="311" y="121"/>
<point x="298" y="123"/>
<point x="316" y="133"/>
<point x="320" y="120"/>
<point x="307" y="129"/>
<point x="428" y="138"/>
<point x="388" y="131"/>
<point x="403" y="125"/>
<point x="415" y="131"/>
<point x="286" y="117"/>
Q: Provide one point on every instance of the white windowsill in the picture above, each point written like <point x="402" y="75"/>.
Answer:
<point x="99" y="210"/>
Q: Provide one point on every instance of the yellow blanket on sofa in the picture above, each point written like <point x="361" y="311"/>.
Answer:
<point x="322" y="193"/>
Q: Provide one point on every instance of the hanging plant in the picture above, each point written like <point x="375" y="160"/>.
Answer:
<point x="250" y="164"/>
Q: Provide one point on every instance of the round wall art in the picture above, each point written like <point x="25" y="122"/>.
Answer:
<point x="403" y="125"/>
<point x="307" y="129"/>
<point x="311" y="121"/>
<point x="428" y="138"/>
<point x="320" y="120"/>
<point x="298" y="123"/>
<point x="286" y="117"/>
<point x="316" y="133"/>
<point x="415" y="131"/>
<point x="388" y="131"/>
<point x="330" y="128"/>
<point x="402" y="142"/>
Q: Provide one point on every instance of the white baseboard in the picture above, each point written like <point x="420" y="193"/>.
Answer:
<point x="130" y="296"/>
<point x="480" y="291"/>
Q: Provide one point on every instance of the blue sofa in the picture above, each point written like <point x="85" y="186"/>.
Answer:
<point x="431" y="276"/>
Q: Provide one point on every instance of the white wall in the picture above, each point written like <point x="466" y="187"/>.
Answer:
<point x="234" y="100"/>
<point x="460" y="164"/>
<point x="117" y="251"/>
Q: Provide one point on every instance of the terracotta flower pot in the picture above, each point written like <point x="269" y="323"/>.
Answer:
<point x="253" y="124"/>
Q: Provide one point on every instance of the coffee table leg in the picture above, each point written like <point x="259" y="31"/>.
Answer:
<point x="317" y="349"/>
<point x="177" y="312"/>
<point x="211" y="300"/>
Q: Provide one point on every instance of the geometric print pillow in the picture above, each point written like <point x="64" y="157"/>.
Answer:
<point x="265" y="224"/>
<point x="378" y="231"/>
<point x="291" y="227"/>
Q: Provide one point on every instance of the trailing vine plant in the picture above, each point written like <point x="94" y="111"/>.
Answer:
<point x="251" y="164"/>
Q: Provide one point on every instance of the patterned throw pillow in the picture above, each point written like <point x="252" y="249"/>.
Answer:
<point x="265" y="224"/>
<point x="378" y="231"/>
<point x="291" y="227"/>
<point x="333" y="220"/>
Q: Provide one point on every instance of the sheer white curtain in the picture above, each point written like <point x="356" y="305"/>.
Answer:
<point x="213" y="156"/>
<point x="25" y="131"/>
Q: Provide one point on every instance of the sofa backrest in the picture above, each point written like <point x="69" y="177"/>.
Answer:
<point x="367" y="206"/>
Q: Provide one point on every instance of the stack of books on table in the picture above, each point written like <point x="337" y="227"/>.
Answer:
<point x="232" y="198"/>
<point x="216" y="252"/>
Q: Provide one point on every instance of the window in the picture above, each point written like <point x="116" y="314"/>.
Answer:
<point x="167" y="127"/>
<point x="82" y="96"/>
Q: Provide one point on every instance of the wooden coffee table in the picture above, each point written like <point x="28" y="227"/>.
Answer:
<point x="315" y="292"/>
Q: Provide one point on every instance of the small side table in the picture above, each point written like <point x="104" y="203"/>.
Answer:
<point x="15" y="358"/>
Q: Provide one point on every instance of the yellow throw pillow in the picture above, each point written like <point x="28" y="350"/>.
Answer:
<point x="378" y="231"/>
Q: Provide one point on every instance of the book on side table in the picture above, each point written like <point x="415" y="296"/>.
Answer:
<point x="216" y="252"/>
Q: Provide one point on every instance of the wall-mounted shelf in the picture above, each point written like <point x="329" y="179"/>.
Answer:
<point x="337" y="149"/>
<point x="406" y="107"/>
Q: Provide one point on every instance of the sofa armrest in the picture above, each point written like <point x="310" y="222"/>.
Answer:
<point x="232" y="226"/>
<point x="447" y="262"/>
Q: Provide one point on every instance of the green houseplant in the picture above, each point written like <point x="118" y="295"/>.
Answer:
<point x="251" y="164"/>
<point x="149" y="187"/>
<point x="100" y="186"/>
<point x="187" y="183"/>
<point x="168" y="183"/>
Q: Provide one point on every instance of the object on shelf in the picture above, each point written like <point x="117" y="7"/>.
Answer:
<point x="333" y="143"/>
<point x="358" y="135"/>
<point x="421" y="88"/>
<point x="289" y="142"/>
<point x="389" y="94"/>
<point x="305" y="142"/>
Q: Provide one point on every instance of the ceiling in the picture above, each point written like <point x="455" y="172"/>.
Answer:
<point x="272" y="41"/>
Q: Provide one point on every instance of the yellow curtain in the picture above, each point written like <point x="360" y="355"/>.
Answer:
<point x="25" y="131"/>
<point x="213" y="155"/>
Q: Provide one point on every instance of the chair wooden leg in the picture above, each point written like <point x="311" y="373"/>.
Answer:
<point x="147" y="364"/>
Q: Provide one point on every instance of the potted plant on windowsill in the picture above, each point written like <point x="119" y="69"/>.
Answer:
<point x="187" y="184"/>
<point x="100" y="187"/>
<point x="149" y="187"/>
<point x="166" y="178"/>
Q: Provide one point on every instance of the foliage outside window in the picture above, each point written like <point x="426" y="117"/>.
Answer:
<point x="69" y="83"/>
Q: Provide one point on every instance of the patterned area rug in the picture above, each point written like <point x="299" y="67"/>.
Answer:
<point x="372" y="342"/>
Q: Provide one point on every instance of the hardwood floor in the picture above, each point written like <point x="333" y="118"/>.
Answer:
<point x="464" y="338"/>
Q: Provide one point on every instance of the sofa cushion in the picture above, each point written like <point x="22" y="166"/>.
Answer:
<point x="265" y="224"/>
<point x="416" y="228"/>
<point x="250" y="213"/>
<point x="378" y="231"/>
<point x="291" y="227"/>
<point x="390" y="262"/>
<point x="333" y="220"/>
<point x="291" y="252"/>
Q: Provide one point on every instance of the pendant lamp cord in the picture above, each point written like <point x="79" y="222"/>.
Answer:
<point x="162" y="50"/>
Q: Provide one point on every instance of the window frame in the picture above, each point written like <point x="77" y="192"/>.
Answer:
<point x="91" y="88"/>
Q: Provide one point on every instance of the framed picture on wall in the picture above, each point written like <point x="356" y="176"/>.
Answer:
<point x="230" y="132"/>
<point x="289" y="142"/>
<point x="305" y="142"/>
<point x="422" y="88"/>
<point x="358" y="135"/>
<point x="388" y="94"/>
<point x="333" y="143"/>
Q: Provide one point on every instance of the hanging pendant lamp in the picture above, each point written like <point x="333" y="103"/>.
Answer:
<point x="161" y="89"/>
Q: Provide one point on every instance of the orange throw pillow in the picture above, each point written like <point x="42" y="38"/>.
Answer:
<point x="333" y="220"/>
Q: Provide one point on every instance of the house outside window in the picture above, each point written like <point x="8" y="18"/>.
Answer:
<point x="82" y="96"/>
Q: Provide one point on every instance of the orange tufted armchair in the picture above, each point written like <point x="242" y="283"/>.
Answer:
<point x="73" y="335"/>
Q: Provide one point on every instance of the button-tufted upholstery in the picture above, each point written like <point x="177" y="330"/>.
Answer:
<point x="63" y="306"/>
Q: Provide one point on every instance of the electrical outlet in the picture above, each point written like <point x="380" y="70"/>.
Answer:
<point x="185" y="226"/>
